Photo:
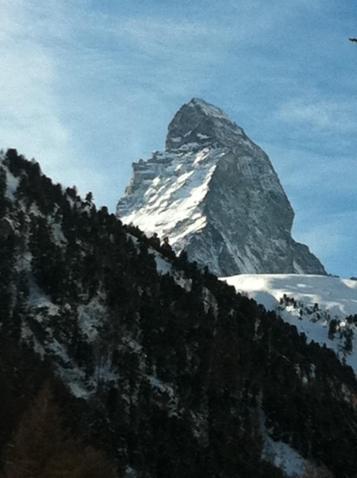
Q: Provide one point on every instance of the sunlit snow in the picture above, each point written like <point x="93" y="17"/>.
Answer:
<point x="175" y="181"/>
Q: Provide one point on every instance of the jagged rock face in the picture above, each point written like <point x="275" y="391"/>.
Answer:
<point x="215" y="193"/>
<point x="201" y="123"/>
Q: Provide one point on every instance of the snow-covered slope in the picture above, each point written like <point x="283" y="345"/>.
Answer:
<point x="323" y="307"/>
<point x="215" y="193"/>
<point x="169" y="190"/>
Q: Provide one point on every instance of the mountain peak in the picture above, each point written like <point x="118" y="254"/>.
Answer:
<point x="207" y="109"/>
<point x="199" y="122"/>
<point x="215" y="194"/>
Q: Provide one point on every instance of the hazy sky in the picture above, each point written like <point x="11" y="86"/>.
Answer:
<point x="88" y="86"/>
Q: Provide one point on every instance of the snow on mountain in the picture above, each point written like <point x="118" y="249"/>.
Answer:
<point x="171" y="203"/>
<point x="322" y="307"/>
<point x="215" y="193"/>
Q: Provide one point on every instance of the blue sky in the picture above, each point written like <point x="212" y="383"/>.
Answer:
<point x="88" y="86"/>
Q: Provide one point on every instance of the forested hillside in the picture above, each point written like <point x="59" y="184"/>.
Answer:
<point x="148" y="366"/>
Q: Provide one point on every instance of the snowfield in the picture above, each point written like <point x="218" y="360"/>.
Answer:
<point x="337" y="296"/>
<point x="317" y="301"/>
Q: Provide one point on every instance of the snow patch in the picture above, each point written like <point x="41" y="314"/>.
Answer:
<point x="38" y="299"/>
<point x="202" y="136"/>
<point x="12" y="184"/>
<point x="284" y="457"/>
<point x="162" y="266"/>
<point x="57" y="234"/>
<point x="90" y="317"/>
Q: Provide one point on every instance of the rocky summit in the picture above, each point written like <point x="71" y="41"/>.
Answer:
<point x="215" y="194"/>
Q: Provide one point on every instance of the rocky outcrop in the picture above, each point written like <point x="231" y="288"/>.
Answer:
<point x="215" y="193"/>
